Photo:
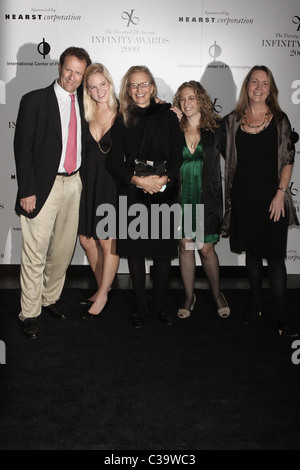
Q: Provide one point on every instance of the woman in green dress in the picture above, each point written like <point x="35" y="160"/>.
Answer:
<point x="200" y="184"/>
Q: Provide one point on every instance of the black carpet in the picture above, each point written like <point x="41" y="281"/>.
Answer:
<point x="202" y="384"/>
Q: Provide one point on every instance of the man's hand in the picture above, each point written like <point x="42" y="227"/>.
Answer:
<point x="28" y="203"/>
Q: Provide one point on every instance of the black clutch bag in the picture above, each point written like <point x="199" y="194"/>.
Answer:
<point x="148" y="167"/>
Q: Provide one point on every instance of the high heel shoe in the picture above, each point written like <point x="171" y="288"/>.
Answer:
<point x="184" y="312"/>
<point x="286" y="330"/>
<point x="252" y="317"/>
<point x="224" y="312"/>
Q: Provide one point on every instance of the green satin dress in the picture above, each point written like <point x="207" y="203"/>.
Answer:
<point x="191" y="185"/>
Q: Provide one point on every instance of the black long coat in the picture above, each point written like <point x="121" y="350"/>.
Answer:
<point x="162" y="143"/>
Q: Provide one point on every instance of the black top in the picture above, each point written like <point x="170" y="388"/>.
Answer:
<point x="254" y="187"/>
<point x="99" y="187"/>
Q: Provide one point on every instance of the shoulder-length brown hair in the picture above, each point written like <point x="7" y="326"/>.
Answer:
<point x="272" y="99"/>
<point x="124" y="98"/>
<point x="209" y="118"/>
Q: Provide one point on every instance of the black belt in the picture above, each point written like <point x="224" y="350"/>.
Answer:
<point x="68" y="174"/>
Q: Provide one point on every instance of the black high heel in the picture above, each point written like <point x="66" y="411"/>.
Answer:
<point x="252" y="317"/>
<point x="286" y="330"/>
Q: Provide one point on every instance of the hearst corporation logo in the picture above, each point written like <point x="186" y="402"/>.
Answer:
<point x="41" y="14"/>
<point x="218" y="17"/>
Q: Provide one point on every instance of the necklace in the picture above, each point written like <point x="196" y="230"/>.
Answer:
<point x="98" y="140"/>
<point x="193" y="142"/>
<point x="100" y="148"/>
<point x="245" y="122"/>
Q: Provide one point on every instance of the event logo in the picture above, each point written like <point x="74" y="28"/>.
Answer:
<point x="294" y="191"/>
<point x="134" y="20"/>
<point x="2" y="352"/>
<point x="46" y="14"/>
<point x="286" y="40"/>
<point x="220" y="17"/>
<point x="295" y="136"/>
<point x="43" y="48"/>
<point x="215" y="51"/>
<point x="217" y="107"/>
<point x="21" y="16"/>
<point x="296" y="20"/>
<point x="129" y="40"/>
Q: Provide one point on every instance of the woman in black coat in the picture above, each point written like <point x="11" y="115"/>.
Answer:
<point x="146" y="157"/>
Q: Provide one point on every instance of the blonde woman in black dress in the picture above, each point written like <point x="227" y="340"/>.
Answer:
<point x="99" y="187"/>
<point x="258" y="203"/>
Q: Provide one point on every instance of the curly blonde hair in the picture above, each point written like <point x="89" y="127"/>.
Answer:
<point x="209" y="118"/>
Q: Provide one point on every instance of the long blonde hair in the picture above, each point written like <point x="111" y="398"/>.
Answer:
<point x="272" y="99"/>
<point x="125" y="99"/>
<point x="209" y="118"/>
<point x="88" y="102"/>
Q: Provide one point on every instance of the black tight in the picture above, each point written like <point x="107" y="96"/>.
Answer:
<point x="161" y="272"/>
<point x="277" y="281"/>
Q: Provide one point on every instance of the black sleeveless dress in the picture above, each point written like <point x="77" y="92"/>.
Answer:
<point x="99" y="186"/>
<point x="254" y="186"/>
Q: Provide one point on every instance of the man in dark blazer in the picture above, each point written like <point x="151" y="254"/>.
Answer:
<point x="48" y="193"/>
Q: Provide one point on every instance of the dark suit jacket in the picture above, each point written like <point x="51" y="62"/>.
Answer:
<point x="38" y="145"/>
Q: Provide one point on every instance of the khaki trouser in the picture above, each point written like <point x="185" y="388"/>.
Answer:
<point x="48" y="245"/>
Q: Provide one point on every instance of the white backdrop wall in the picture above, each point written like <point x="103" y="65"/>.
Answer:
<point x="215" y="42"/>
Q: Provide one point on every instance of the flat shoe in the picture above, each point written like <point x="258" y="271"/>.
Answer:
<point x="86" y="315"/>
<point x="30" y="328"/>
<point x="89" y="316"/>
<point x="56" y="311"/>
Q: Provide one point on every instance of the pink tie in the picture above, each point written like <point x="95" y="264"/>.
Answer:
<point x="71" y="152"/>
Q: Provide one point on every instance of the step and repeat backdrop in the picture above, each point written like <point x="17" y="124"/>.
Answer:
<point x="213" y="41"/>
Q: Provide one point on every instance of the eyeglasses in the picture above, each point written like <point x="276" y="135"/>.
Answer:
<point x="134" y="86"/>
